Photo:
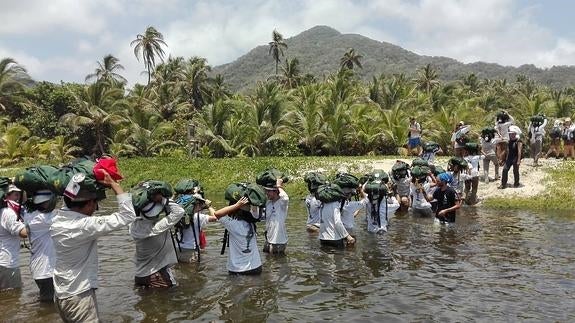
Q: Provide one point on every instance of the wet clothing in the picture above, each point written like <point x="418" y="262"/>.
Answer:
<point x="163" y="278"/>
<point x="313" y="206"/>
<point x="378" y="217"/>
<point x="42" y="253"/>
<point x="349" y="210"/>
<point x="75" y="237"/>
<point x="154" y="245"/>
<point x="445" y="199"/>
<point x="192" y="233"/>
<point x="244" y="256"/>
<point x="10" y="229"/>
<point x="331" y="226"/>
<point x="276" y="215"/>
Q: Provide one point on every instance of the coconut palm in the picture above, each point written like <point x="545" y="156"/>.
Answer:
<point x="277" y="47"/>
<point x="62" y="150"/>
<point x="107" y="71"/>
<point x="195" y="81"/>
<point x="99" y="108"/>
<point x="427" y="79"/>
<point x="350" y="59"/>
<point x="16" y="144"/>
<point x="291" y="73"/>
<point x="13" y="77"/>
<point x="149" y="46"/>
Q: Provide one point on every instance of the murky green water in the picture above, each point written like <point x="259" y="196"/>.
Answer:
<point x="492" y="266"/>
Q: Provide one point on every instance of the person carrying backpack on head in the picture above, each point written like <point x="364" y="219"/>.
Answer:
<point x="503" y="121"/>
<point x="332" y="232"/>
<point x="536" y="134"/>
<point x="276" y="215"/>
<point x="488" y="147"/>
<point x="555" y="135"/>
<point x="568" y="139"/>
<point x="12" y="229"/>
<point x="473" y="159"/>
<point x="75" y="232"/>
<point x="313" y="205"/>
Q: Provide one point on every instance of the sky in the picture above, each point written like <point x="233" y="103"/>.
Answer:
<point x="62" y="40"/>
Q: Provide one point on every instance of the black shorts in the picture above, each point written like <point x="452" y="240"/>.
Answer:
<point x="251" y="272"/>
<point x="339" y="244"/>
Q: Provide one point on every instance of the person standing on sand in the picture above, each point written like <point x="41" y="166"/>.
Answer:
<point x="513" y="157"/>
<point x="414" y="141"/>
<point x="568" y="139"/>
<point x="555" y="135"/>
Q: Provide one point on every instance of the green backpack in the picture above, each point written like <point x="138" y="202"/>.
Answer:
<point x="472" y="148"/>
<point x="457" y="161"/>
<point x="328" y="193"/>
<point x="419" y="162"/>
<point x="420" y="172"/>
<point x="269" y="177"/>
<point x="314" y="180"/>
<point x="438" y="170"/>
<point x="187" y="186"/>
<point x="255" y="194"/>
<point x="399" y="170"/>
<point x="142" y="194"/>
<point x="537" y="120"/>
<point x="59" y="179"/>
<point x="345" y="180"/>
<point x="430" y="147"/>
<point x="375" y="190"/>
<point x="35" y="178"/>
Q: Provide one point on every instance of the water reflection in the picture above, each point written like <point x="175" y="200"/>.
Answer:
<point x="492" y="265"/>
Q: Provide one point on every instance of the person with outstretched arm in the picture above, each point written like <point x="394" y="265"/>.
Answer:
<point x="448" y="201"/>
<point x="75" y="232"/>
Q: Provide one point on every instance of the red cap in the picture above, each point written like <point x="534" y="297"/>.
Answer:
<point x="109" y="165"/>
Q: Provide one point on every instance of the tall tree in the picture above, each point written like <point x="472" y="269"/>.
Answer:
<point x="107" y="71"/>
<point x="277" y="47"/>
<point x="149" y="45"/>
<point x="427" y="79"/>
<point x="350" y="59"/>
<point x="12" y="80"/>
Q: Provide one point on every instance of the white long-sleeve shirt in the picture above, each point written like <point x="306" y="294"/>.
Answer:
<point x="349" y="210"/>
<point x="503" y="128"/>
<point x="75" y="241"/>
<point x="42" y="253"/>
<point x="537" y="133"/>
<point x="10" y="229"/>
<point x="154" y="246"/>
<point x="276" y="214"/>
<point x="378" y="222"/>
<point x="313" y="206"/>
<point x="331" y="227"/>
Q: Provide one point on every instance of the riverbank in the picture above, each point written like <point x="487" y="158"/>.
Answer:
<point x="549" y="186"/>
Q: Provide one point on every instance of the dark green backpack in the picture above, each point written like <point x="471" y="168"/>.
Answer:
<point x="254" y="193"/>
<point x="269" y="177"/>
<point x="419" y="162"/>
<point x="488" y="132"/>
<point x="375" y="190"/>
<point x="35" y="178"/>
<point x="457" y="161"/>
<point x="328" y="193"/>
<point x="143" y="193"/>
<point x="59" y="179"/>
<point x="537" y="120"/>
<point x="314" y="180"/>
<point x="187" y="186"/>
<point x="345" y="180"/>
<point x="399" y="170"/>
<point x="420" y="172"/>
<point x="438" y="170"/>
<point x="380" y="175"/>
<point x="430" y="147"/>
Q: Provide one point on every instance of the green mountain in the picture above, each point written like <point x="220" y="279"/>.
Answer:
<point x="320" y="48"/>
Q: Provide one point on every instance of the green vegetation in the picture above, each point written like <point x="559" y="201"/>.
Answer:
<point x="559" y="194"/>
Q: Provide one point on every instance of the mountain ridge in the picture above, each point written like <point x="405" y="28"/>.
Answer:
<point x="320" y="48"/>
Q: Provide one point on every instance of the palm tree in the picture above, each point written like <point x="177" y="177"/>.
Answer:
<point x="149" y="45"/>
<point x="107" y="71"/>
<point x="99" y="108"/>
<point x="13" y="77"/>
<point x="277" y="46"/>
<point x="350" y="59"/>
<point x="291" y="73"/>
<point x="427" y="79"/>
<point x="195" y="82"/>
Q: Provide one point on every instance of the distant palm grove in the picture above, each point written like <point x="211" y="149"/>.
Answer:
<point x="185" y="109"/>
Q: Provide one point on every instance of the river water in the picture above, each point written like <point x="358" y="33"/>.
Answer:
<point x="493" y="265"/>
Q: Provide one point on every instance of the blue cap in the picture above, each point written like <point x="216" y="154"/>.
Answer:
<point x="445" y="177"/>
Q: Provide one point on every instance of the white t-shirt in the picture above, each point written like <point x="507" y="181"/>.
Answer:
<point x="474" y="164"/>
<point x="331" y="227"/>
<point x="42" y="253"/>
<point x="348" y="212"/>
<point x="188" y="240"/>
<point x="10" y="229"/>
<point x="312" y="206"/>
<point x="414" y="134"/>
<point x="488" y="147"/>
<point x="418" y="200"/>
<point x="503" y="128"/>
<point x="243" y="252"/>
<point x="75" y="240"/>
<point x="378" y="222"/>
<point x="458" y="182"/>
<point x="537" y="133"/>
<point x="276" y="214"/>
<point x="154" y="246"/>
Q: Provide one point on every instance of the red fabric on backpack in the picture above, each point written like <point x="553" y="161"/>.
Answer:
<point x="203" y="241"/>
<point x="109" y="165"/>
